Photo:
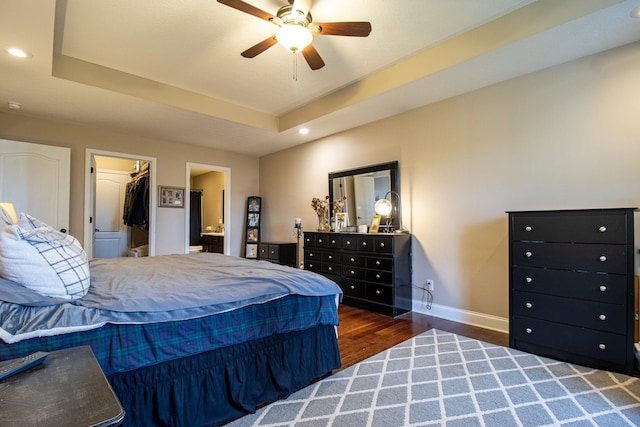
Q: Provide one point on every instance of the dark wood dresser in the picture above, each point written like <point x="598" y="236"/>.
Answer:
<point x="572" y="286"/>
<point x="283" y="253"/>
<point x="211" y="243"/>
<point x="373" y="270"/>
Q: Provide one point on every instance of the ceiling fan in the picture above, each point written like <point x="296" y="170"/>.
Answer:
<point x="296" y="29"/>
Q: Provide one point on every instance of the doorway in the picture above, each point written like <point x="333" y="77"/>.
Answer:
<point x="213" y="183"/>
<point x="106" y="235"/>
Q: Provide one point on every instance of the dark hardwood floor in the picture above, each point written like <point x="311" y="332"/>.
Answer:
<point x="362" y="333"/>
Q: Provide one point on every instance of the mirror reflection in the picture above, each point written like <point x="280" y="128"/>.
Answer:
<point x="362" y="187"/>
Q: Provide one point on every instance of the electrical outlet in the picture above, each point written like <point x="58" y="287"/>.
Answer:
<point x="430" y="284"/>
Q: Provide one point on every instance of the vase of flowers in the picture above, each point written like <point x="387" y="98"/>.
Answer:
<point x="321" y="208"/>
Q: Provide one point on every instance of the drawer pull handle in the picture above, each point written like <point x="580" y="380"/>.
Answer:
<point x="364" y="243"/>
<point x="603" y="258"/>
<point x="311" y="255"/>
<point x="377" y="262"/>
<point x="528" y="279"/>
<point x="352" y="287"/>
<point x="603" y="288"/>
<point x="330" y="256"/>
<point x="528" y="330"/>
<point x="382" y="244"/>
<point x="377" y="291"/>
<point x="352" y="272"/>
<point x="602" y="347"/>
<point x="353" y="260"/>
<point x="602" y="317"/>
<point x="330" y="268"/>
<point x="319" y="240"/>
<point x="528" y="254"/>
<point x="273" y="252"/>
<point x="528" y="305"/>
<point x="310" y="265"/>
<point x="348" y="242"/>
<point x="528" y="228"/>
<point x="602" y="229"/>
<point x="377" y="276"/>
<point x="333" y="242"/>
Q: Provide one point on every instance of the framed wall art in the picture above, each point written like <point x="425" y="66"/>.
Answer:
<point x="252" y="235"/>
<point x="170" y="197"/>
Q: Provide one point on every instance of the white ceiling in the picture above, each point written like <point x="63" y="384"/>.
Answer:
<point x="171" y="69"/>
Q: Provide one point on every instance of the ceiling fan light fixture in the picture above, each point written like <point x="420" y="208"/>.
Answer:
<point x="294" y="37"/>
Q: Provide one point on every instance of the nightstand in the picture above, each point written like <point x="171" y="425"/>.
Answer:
<point x="68" y="388"/>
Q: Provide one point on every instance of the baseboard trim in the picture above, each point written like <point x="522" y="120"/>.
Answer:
<point x="473" y="318"/>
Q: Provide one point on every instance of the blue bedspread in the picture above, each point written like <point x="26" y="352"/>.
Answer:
<point x="156" y="289"/>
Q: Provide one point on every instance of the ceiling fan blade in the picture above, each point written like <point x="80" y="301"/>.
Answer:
<point x="247" y="8"/>
<point x="355" y="29"/>
<point x="313" y="57"/>
<point x="258" y="48"/>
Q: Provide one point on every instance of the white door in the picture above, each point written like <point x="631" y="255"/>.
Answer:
<point x="36" y="179"/>
<point x="364" y="199"/>
<point x="111" y="234"/>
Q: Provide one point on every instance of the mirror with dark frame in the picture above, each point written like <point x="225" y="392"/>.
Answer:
<point x="362" y="187"/>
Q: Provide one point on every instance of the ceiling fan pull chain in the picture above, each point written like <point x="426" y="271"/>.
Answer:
<point x="295" y="66"/>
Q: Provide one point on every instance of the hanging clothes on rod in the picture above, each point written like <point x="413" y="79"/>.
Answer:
<point x="136" y="202"/>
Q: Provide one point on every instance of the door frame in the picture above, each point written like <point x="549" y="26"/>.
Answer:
<point x="226" y="202"/>
<point x="89" y="196"/>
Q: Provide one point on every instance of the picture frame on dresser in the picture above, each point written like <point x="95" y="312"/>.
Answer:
<point x="375" y="223"/>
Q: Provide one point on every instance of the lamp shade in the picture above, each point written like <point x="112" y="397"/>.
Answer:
<point x="383" y="207"/>
<point x="10" y="210"/>
<point x="294" y="37"/>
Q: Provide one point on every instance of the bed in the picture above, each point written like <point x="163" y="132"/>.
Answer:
<point x="185" y="340"/>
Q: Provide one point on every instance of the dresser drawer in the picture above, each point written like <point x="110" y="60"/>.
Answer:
<point x="567" y="256"/>
<point x="353" y="260"/>
<point x="608" y="288"/>
<point x="350" y="243"/>
<point x="380" y="276"/>
<point x="321" y="240"/>
<point x="313" y="255"/>
<point x="263" y="251"/>
<point x="571" y="228"/>
<point x="354" y="288"/>
<point x="380" y="263"/>
<point x="330" y="268"/>
<point x="331" y="257"/>
<point x="379" y="293"/>
<point x="600" y="345"/>
<point x="366" y="244"/>
<point x="334" y="242"/>
<point x="586" y="314"/>
<point x="383" y="245"/>
<point x="353" y="272"/>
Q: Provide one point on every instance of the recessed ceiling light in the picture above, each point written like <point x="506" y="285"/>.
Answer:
<point x="18" y="53"/>
<point x="303" y="131"/>
<point x="13" y="105"/>
<point x="635" y="13"/>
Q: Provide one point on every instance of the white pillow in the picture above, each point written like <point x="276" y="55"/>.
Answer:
<point x="43" y="259"/>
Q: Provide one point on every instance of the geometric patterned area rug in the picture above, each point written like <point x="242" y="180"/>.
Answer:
<point x="442" y="379"/>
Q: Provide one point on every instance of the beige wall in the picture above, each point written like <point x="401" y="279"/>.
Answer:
<point x="171" y="170"/>
<point x="566" y="137"/>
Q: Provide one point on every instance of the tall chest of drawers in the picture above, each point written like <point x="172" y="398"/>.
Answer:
<point x="373" y="270"/>
<point x="571" y="286"/>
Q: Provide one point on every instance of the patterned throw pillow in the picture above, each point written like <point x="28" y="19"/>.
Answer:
<point x="43" y="259"/>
